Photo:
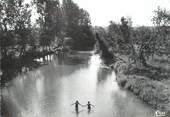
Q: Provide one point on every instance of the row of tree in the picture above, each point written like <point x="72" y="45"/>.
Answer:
<point x="64" y="20"/>
<point x="55" y="22"/>
<point x="141" y="43"/>
<point x="57" y="25"/>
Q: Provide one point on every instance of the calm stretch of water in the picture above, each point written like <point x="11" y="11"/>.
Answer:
<point x="50" y="91"/>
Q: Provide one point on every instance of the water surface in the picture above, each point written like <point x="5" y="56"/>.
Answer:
<point x="50" y="90"/>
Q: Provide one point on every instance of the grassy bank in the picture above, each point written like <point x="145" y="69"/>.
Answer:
<point x="150" y="84"/>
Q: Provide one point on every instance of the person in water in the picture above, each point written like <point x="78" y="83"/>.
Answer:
<point x="76" y="105"/>
<point x="89" y="105"/>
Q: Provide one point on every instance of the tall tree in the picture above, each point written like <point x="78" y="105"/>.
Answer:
<point x="50" y="20"/>
<point x="15" y="25"/>
<point x="78" y="26"/>
<point x="161" y="19"/>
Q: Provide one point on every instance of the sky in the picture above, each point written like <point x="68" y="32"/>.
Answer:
<point x="104" y="11"/>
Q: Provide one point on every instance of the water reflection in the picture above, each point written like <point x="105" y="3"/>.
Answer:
<point x="49" y="91"/>
<point x="103" y="73"/>
<point x="21" y="66"/>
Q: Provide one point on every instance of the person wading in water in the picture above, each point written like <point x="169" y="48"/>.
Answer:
<point x="89" y="105"/>
<point x="77" y="105"/>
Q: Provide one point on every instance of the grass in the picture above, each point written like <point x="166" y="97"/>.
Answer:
<point x="150" y="84"/>
<point x="154" y="73"/>
<point x="154" y="93"/>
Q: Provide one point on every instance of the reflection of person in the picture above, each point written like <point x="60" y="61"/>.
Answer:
<point x="78" y="112"/>
<point x="76" y="105"/>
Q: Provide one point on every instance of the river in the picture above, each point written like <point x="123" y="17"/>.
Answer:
<point x="50" y="90"/>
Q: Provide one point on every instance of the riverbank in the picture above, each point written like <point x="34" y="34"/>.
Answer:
<point x="150" y="84"/>
<point x="148" y="79"/>
<point x="13" y="67"/>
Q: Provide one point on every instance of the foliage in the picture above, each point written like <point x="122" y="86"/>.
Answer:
<point x="16" y="27"/>
<point x="161" y="17"/>
<point x="143" y="74"/>
<point x="22" y="41"/>
<point x="120" y="34"/>
<point x="78" y="26"/>
<point x="49" y="21"/>
<point x="140" y="43"/>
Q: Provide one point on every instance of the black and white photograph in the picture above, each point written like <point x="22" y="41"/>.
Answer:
<point x="85" y="58"/>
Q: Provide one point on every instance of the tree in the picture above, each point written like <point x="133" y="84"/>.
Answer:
<point x="16" y="26"/>
<point x="134" y="42"/>
<point x="121" y="35"/>
<point x="114" y="33"/>
<point x="78" y="26"/>
<point x="125" y="29"/>
<point x="15" y="34"/>
<point x="144" y="44"/>
<point x="50" y="20"/>
<point x="161" y="17"/>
